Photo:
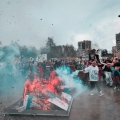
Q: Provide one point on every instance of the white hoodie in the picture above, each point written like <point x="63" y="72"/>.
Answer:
<point x="93" y="72"/>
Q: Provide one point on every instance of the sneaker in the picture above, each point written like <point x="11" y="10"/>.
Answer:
<point x="91" y="93"/>
<point x="101" y="93"/>
<point x="115" y="88"/>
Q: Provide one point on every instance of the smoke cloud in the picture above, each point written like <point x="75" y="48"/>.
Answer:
<point x="71" y="80"/>
<point x="11" y="78"/>
<point x="95" y="46"/>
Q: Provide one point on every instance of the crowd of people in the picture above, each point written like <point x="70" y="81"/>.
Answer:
<point x="107" y="70"/>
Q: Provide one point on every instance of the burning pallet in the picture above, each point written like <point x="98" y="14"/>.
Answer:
<point x="53" y="107"/>
<point x="44" y="97"/>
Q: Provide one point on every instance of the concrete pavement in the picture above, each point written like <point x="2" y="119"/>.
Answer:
<point x="84" y="107"/>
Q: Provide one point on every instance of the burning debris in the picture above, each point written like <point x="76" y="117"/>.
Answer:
<point x="41" y="94"/>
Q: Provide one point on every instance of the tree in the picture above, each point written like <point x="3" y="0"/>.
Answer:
<point x="104" y="52"/>
<point x="54" y="51"/>
<point x="28" y="51"/>
<point x="49" y="49"/>
<point x="50" y="43"/>
<point x="69" y="51"/>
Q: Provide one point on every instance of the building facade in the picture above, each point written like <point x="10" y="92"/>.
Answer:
<point x="86" y="44"/>
<point x="116" y="49"/>
<point x="113" y="49"/>
<point x="83" y="46"/>
<point x="118" y="43"/>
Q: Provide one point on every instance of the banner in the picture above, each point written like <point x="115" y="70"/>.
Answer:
<point x="59" y="103"/>
<point x="41" y="57"/>
<point x="56" y="101"/>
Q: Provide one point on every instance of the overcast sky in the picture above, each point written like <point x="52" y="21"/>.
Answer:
<point x="31" y="22"/>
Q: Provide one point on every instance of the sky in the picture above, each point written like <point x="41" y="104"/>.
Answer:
<point x="31" y="22"/>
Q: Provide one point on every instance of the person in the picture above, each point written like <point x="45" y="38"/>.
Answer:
<point x="40" y="70"/>
<point x="44" y="69"/>
<point x="93" y="76"/>
<point x="116" y="75"/>
<point x="115" y="66"/>
<point x="96" y="56"/>
<point x="108" y="73"/>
